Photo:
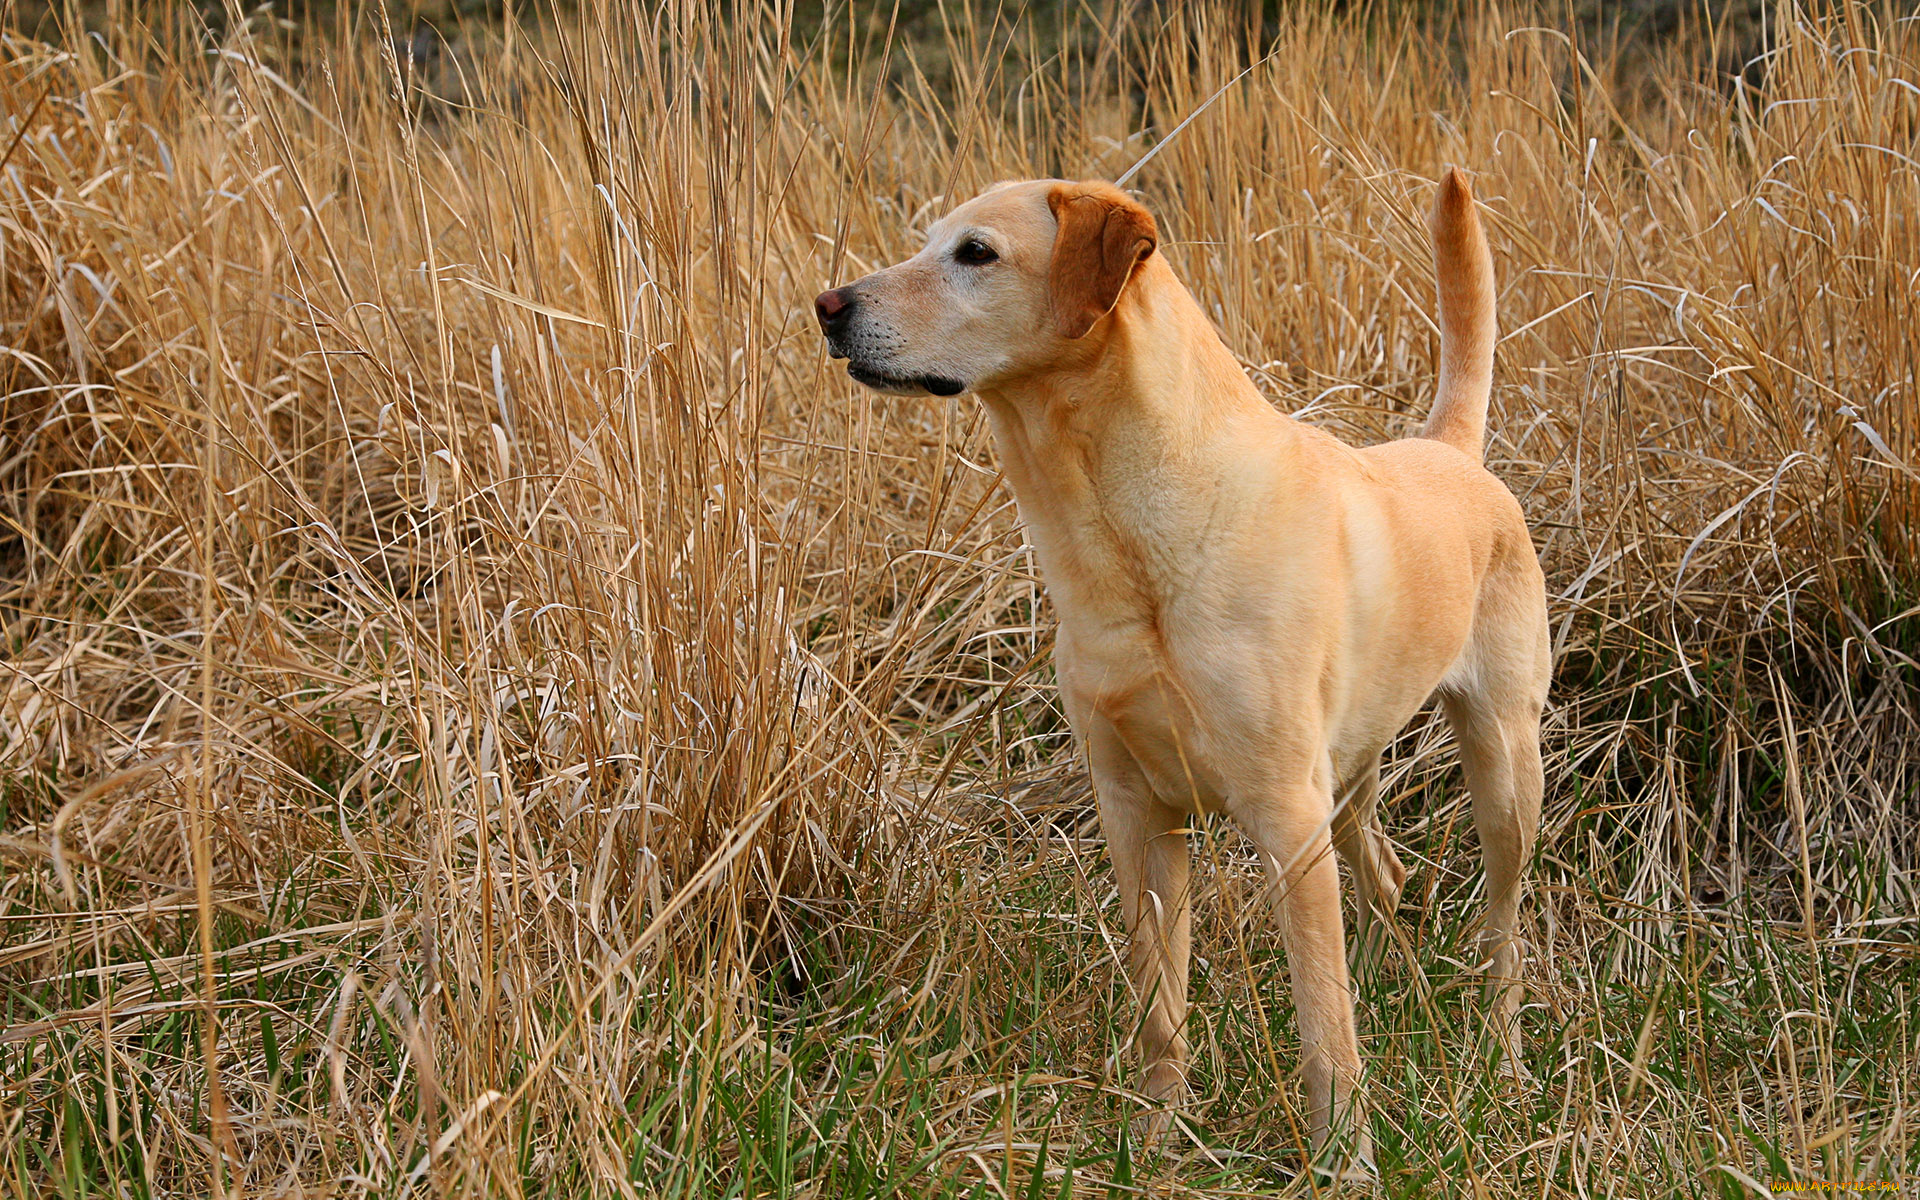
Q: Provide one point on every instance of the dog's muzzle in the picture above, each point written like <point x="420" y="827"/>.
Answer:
<point x="835" y="311"/>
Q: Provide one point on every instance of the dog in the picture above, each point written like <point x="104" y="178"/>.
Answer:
<point x="1249" y="609"/>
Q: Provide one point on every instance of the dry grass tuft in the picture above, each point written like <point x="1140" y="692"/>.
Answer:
<point x="490" y="708"/>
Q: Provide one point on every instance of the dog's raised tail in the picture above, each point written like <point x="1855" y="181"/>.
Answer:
<point x="1464" y="268"/>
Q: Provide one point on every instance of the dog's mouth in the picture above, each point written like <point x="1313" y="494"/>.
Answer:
<point x="912" y="385"/>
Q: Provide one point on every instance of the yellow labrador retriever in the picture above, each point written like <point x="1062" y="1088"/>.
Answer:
<point x="1249" y="609"/>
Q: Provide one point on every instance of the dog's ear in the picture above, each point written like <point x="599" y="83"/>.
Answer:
<point x="1103" y="238"/>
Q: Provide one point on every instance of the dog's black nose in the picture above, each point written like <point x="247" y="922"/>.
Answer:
<point x="834" y="308"/>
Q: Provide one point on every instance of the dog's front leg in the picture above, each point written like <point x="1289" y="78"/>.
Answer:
<point x="1147" y="841"/>
<point x="1291" y="824"/>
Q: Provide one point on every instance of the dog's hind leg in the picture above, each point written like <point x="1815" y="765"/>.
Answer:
<point x="1377" y="874"/>
<point x="1500" y="751"/>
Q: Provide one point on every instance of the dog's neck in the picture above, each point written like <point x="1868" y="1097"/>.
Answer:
<point x="1116" y="457"/>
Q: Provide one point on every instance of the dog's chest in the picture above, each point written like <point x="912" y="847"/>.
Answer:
<point x="1159" y="690"/>
<point x="1145" y="610"/>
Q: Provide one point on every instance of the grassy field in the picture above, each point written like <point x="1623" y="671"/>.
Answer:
<point x="490" y="709"/>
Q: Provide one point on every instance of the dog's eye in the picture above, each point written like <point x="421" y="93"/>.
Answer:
<point x="974" y="251"/>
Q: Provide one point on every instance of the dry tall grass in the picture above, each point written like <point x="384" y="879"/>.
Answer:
<point x="479" y="678"/>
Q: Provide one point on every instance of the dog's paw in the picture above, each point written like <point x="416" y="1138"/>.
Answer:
<point x="1510" y="1068"/>
<point x="1346" y="1161"/>
<point x="1152" y="1132"/>
<point x="1355" y="1171"/>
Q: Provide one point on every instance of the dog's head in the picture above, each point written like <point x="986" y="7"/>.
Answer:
<point x="1008" y="285"/>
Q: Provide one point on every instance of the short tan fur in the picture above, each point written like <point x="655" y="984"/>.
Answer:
<point x="1249" y="610"/>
